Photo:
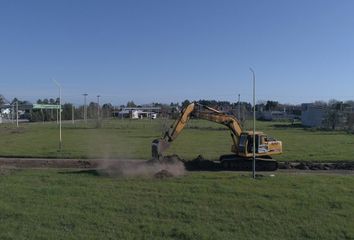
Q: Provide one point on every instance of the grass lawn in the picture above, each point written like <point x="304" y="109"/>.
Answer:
<point x="63" y="204"/>
<point x="132" y="139"/>
<point x="53" y="204"/>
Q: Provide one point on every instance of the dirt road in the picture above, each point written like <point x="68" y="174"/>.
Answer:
<point x="305" y="168"/>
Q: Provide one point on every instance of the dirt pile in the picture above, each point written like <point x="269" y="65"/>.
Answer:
<point x="163" y="174"/>
<point x="200" y="163"/>
<point x="316" y="166"/>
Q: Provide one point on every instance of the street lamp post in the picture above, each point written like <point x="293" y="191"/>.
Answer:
<point x="254" y="124"/>
<point x="98" y="107"/>
<point x="60" y="138"/>
<point x="73" y="114"/>
<point x="12" y="113"/>
<point x="239" y="107"/>
<point x="85" y="108"/>
<point x="98" y="111"/>
<point x="16" y="113"/>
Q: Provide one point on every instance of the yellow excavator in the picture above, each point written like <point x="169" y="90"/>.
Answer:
<point x="242" y="141"/>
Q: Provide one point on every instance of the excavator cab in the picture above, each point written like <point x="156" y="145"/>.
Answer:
<point x="264" y="145"/>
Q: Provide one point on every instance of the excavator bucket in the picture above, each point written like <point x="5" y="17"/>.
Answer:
<point x="157" y="147"/>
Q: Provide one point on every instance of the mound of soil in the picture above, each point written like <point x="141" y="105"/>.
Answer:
<point x="200" y="163"/>
<point x="163" y="174"/>
<point x="317" y="166"/>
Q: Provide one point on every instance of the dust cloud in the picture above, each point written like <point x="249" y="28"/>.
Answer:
<point x="167" y="167"/>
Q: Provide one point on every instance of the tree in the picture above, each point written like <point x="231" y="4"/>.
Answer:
<point x="271" y="105"/>
<point x="107" y="109"/>
<point x="332" y="118"/>
<point x="14" y="101"/>
<point x="92" y="110"/>
<point x="320" y="103"/>
<point x="131" y="104"/>
<point x="185" y="103"/>
<point x="350" y="121"/>
<point x="2" y="100"/>
<point x="67" y="111"/>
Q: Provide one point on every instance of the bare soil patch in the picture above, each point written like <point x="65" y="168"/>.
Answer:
<point x="47" y="163"/>
<point x="317" y="166"/>
<point x="169" y="166"/>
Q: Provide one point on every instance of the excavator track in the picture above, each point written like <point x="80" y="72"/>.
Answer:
<point x="234" y="162"/>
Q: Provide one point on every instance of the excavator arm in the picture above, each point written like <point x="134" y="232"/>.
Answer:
<point x="199" y="111"/>
<point x="176" y="128"/>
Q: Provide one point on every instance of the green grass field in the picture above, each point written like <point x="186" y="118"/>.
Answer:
<point x="53" y="204"/>
<point x="132" y="139"/>
<point x="69" y="204"/>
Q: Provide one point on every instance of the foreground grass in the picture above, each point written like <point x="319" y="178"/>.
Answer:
<point x="51" y="204"/>
<point x="132" y="139"/>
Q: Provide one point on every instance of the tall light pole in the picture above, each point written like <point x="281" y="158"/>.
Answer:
<point x="85" y="109"/>
<point x="60" y="139"/>
<point x="73" y="114"/>
<point x="12" y="113"/>
<point x="17" y="113"/>
<point x="239" y="107"/>
<point x="254" y="124"/>
<point x="98" y="107"/>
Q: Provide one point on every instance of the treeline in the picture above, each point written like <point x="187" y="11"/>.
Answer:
<point x="69" y="110"/>
<point x="339" y="114"/>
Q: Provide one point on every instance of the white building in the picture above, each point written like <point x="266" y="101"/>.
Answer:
<point x="275" y="115"/>
<point x="313" y="115"/>
<point x="139" y="112"/>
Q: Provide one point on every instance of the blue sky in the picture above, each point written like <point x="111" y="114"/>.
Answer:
<point x="168" y="51"/>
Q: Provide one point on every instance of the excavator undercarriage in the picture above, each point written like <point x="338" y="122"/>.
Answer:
<point x="237" y="163"/>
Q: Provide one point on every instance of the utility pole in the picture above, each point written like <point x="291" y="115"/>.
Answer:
<point x="42" y="115"/>
<point x="239" y="107"/>
<point x="73" y="114"/>
<point x="254" y="124"/>
<point x="98" y="111"/>
<point x="60" y="138"/>
<point x="17" y="113"/>
<point x="98" y="107"/>
<point x="12" y="114"/>
<point x="85" y="108"/>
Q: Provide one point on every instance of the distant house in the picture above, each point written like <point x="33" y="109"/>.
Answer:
<point x="139" y="112"/>
<point x="275" y="115"/>
<point x="313" y="115"/>
<point x="5" y="111"/>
